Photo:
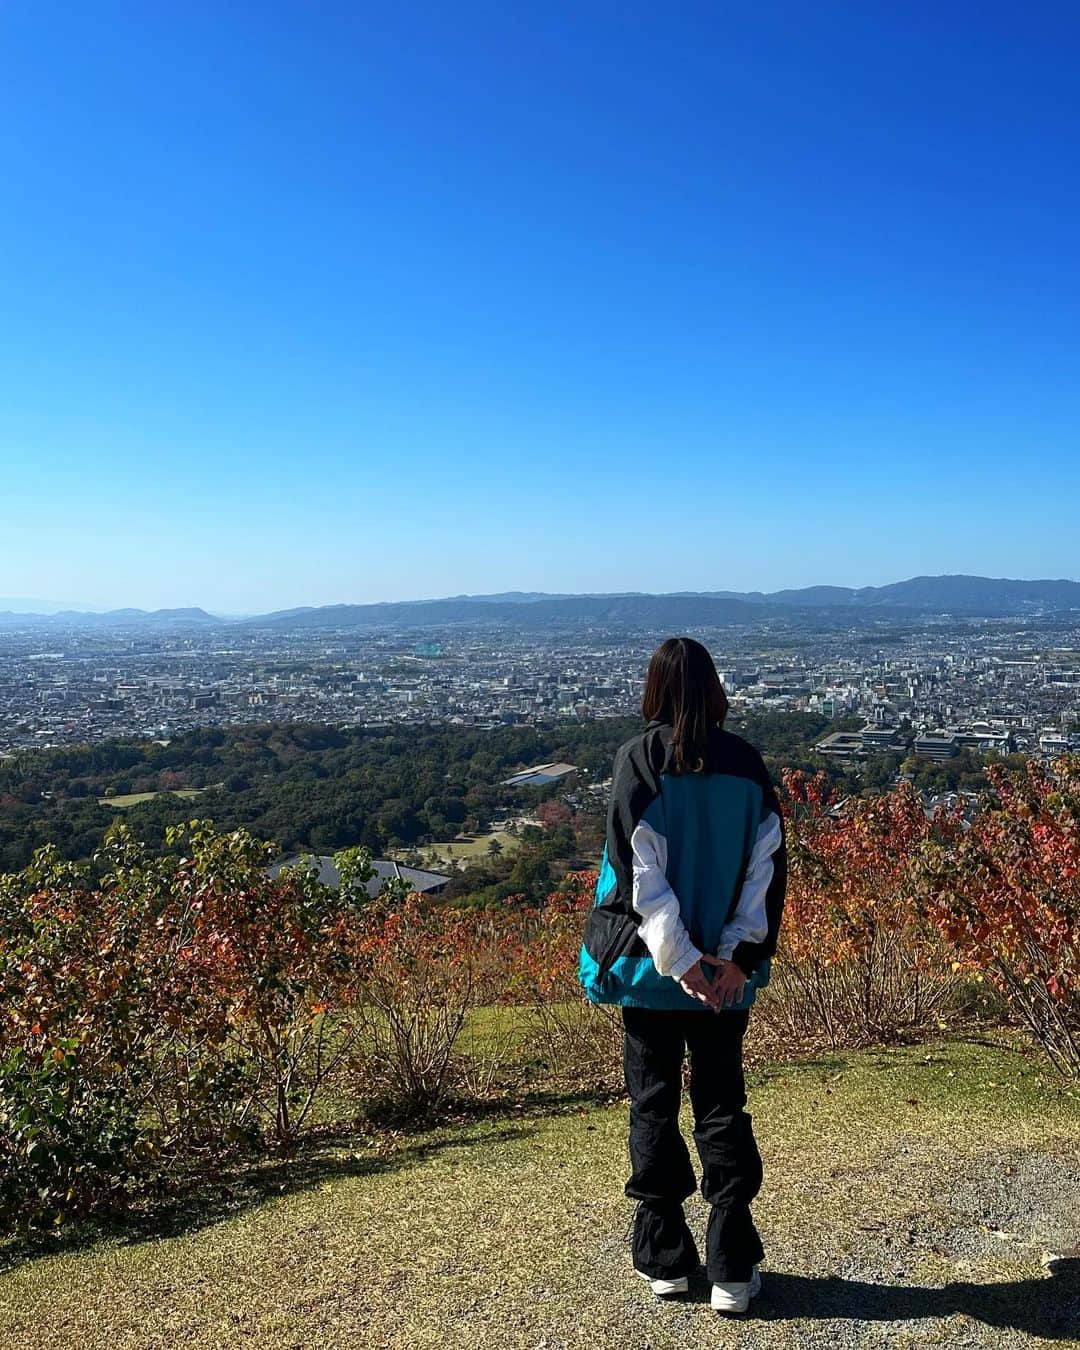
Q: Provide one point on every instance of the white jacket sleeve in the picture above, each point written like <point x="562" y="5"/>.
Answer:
<point x="750" y="923"/>
<point x="661" y="929"/>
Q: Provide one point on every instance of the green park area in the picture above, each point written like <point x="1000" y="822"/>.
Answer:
<point x="466" y="848"/>
<point x="913" y="1196"/>
<point x="125" y="799"/>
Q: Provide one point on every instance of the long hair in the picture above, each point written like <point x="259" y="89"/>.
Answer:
<point x="682" y="688"/>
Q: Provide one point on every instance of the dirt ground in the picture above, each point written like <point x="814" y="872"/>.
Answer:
<point x="916" y="1196"/>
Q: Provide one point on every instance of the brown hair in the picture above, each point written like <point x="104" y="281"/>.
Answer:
<point x="682" y="688"/>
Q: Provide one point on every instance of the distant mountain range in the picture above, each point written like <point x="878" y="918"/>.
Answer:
<point x="543" y="612"/>
<point x="109" y="618"/>
<point x="947" y="595"/>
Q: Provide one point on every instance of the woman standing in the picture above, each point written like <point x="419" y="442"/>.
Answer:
<point x="688" y="905"/>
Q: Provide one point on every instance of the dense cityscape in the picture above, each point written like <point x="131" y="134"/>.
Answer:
<point x="938" y="685"/>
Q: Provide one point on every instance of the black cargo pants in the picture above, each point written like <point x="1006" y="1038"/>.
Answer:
<point x="662" y="1173"/>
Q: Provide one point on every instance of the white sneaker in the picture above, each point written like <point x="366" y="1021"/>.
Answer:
<point x="665" y="1288"/>
<point x="735" y="1297"/>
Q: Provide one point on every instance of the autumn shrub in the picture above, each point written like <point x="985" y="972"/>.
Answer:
<point x="68" y="1145"/>
<point x="265" y="977"/>
<point x="1006" y="895"/>
<point x="421" y="968"/>
<point x="160" y="1010"/>
<point x="426" y="969"/>
<point x="78" y="1041"/>
<point x="568" y="1039"/>
<point x="858" y="960"/>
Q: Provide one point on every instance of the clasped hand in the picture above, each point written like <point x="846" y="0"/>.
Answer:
<point x="723" y="990"/>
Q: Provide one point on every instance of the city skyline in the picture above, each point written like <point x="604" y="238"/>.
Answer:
<point x="349" y="304"/>
<point x="1004" y="682"/>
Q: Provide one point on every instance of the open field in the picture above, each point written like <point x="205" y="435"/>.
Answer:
<point x="466" y="848"/>
<point x="134" y="798"/>
<point x="911" y="1197"/>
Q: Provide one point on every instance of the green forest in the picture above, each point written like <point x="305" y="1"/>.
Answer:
<point x="322" y="788"/>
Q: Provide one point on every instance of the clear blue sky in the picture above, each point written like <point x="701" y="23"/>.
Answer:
<point x="316" y="302"/>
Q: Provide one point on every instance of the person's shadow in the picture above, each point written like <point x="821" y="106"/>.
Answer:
<point x="1048" y="1307"/>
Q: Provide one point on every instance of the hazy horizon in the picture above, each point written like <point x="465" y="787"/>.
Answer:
<point x="18" y="604"/>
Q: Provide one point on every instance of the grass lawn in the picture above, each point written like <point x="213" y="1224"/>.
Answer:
<point x="909" y="1199"/>
<point x="126" y="799"/>
<point x="466" y="849"/>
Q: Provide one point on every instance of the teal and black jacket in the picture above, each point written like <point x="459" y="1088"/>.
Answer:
<point x="693" y="863"/>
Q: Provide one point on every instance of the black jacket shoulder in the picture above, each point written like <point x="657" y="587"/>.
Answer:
<point x="740" y="753"/>
<point x="739" y="757"/>
<point x="649" y="747"/>
<point x="648" y="753"/>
